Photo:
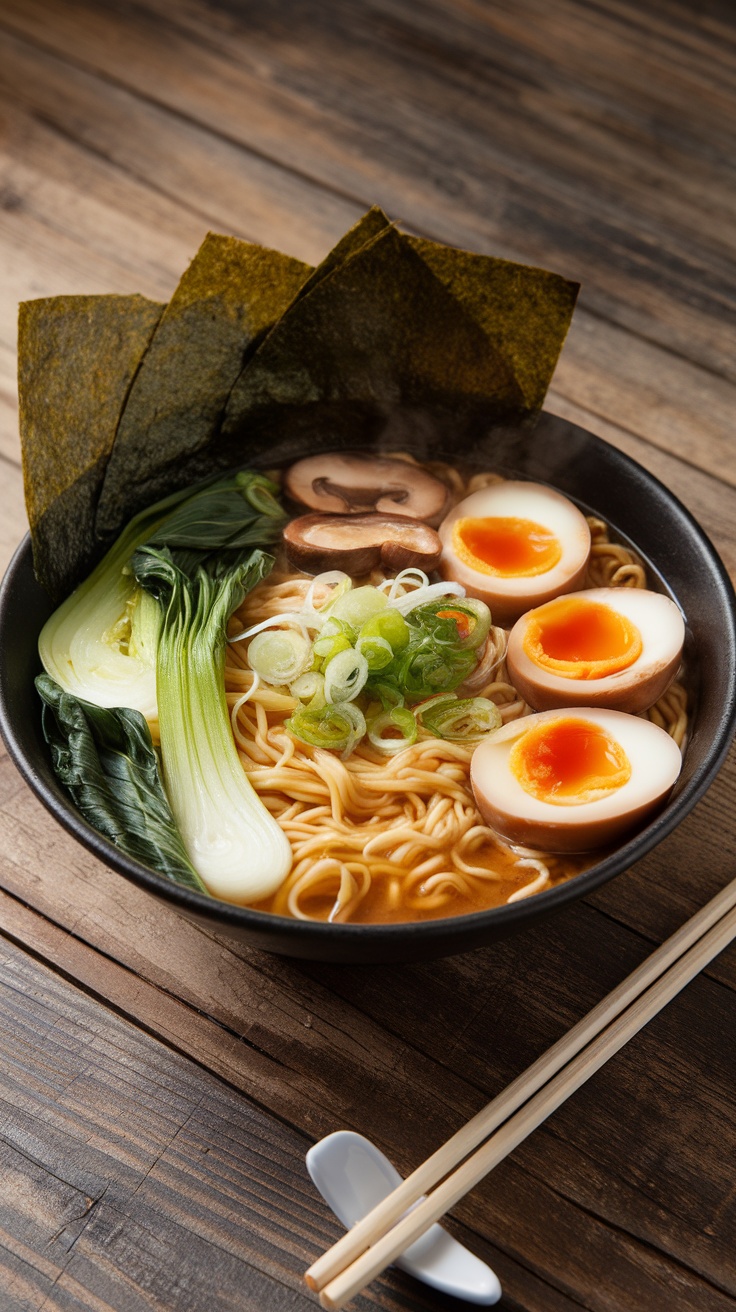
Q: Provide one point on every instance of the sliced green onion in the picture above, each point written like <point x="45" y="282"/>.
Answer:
<point x="279" y="655"/>
<point x="459" y="720"/>
<point x="327" y="648"/>
<point x="378" y="653"/>
<point x="428" y="667"/>
<point x="471" y="617"/>
<point x="406" y="577"/>
<point x="338" y="580"/>
<point x="392" y="731"/>
<point x="260" y="493"/>
<point x="420" y="596"/>
<point x="345" y="675"/>
<point x="337" y="728"/>
<point x="389" y="625"/>
<point x="359" y="605"/>
<point x="308" y="686"/>
<point x="387" y="693"/>
<point x="288" y="618"/>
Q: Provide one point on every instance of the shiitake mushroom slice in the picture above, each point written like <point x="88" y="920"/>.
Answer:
<point x="349" y="483"/>
<point x="358" y="543"/>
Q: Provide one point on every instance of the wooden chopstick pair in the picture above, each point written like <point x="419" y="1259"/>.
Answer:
<point x="376" y="1241"/>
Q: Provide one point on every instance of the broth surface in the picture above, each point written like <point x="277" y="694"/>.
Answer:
<point x="390" y="840"/>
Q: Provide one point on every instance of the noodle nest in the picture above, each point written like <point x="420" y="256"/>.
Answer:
<point x="398" y="838"/>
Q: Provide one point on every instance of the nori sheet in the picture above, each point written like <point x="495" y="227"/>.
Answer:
<point x="525" y="311"/>
<point x="379" y="334"/>
<point x="258" y="357"/>
<point x="231" y="294"/>
<point x="77" y="357"/>
<point x="369" y="225"/>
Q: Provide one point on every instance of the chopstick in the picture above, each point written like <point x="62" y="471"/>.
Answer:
<point x="342" y="1272"/>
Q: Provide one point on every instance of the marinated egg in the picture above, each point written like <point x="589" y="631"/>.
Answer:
<point x="614" y="647"/>
<point x="572" y="780"/>
<point x="515" y="545"/>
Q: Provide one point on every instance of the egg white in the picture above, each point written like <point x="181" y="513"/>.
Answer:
<point x="633" y="689"/>
<point x="508" y="597"/>
<point x="554" y="827"/>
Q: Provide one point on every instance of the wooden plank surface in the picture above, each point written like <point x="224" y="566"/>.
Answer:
<point x="159" y="1085"/>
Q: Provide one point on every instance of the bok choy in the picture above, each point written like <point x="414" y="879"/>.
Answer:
<point x="100" y="644"/>
<point x="107" y="761"/>
<point x="146" y="633"/>
<point x="233" y="841"/>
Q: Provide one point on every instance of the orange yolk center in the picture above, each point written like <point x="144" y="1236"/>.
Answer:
<point x="581" y="639"/>
<point x="569" y="761"/>
<point x="506" y="546"/>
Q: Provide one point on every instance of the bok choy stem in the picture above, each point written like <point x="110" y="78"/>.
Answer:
<point x="146" y="632"/>
<point x="100" y="643"/>
<point x="234" y="843"/>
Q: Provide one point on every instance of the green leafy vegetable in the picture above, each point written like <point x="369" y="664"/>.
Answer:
<point x="434" y="660"/>
<point x="147" y="631"/>
<point x="237" y="847"/>
<point x="107" y="761"/>
<point x="100" y="644"/>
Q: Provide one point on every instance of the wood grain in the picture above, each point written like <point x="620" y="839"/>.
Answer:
<point x="115" y="1127"/>
<point x="158" y="1085"/>
<point x="509" y="132"/>
<point x="136" y="160"/>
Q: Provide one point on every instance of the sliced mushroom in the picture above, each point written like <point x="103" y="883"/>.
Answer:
<point x="347" y="483"/>
<point x="358" y="543"/>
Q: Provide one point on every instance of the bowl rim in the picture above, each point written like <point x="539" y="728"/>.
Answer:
<point x="465" y="926"/>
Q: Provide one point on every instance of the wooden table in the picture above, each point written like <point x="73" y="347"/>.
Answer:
<point x="159" y="1087"/>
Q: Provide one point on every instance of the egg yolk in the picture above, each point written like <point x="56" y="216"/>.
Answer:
<point x="580" y="639"/>
<point x="569" y="761"/>
<point x="506" y="546"/>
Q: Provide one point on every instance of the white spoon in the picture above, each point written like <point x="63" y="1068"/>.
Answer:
<point x="353" y="1175"/>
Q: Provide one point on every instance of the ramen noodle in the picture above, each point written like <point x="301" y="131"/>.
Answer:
<point x="398" y="838"/>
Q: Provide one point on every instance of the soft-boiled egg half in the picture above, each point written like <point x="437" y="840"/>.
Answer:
<point x="572" y="780"/>
<point x="615" y="647"/>
<point x="515" y="545"/>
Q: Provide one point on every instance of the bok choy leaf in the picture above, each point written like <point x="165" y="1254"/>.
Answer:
<point x="107" y="761"/>
<point x="235" y="844"/>
<point x="146" y="632"/>
<point x="100" y="644"/>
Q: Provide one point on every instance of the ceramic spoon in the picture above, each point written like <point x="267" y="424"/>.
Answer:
<point x="353" y="1175"/>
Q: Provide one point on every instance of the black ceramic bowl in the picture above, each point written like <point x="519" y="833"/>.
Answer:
<point x="682" y="561"/>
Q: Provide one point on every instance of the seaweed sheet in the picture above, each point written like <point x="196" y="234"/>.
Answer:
<point x="77" y="357"/>
<point x="525" y="311"/>
<point x="378" y="336"/>
<point x="392" y="338"/>
<point x="231" y="294"/>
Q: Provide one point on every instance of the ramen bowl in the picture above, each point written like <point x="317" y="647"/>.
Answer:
<point x="639" y="510"/>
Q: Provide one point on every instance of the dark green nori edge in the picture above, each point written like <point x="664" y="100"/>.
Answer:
<point x="370" y="225"/>
<point x="378" y="334"/>
<point x="231" y="294"/>
<point x="77" y="357"/>
<point x="107" y="761"/>
<point x="526" y="312"/>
